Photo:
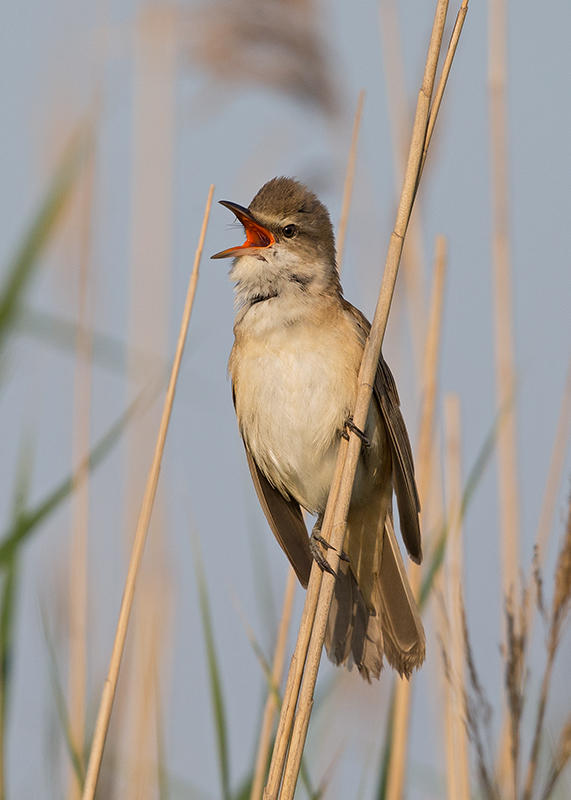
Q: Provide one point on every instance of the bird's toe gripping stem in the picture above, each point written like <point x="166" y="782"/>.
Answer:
<point x="349" y="425"/>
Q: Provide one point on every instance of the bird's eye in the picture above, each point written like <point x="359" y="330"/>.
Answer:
<point x="289" y="231"/>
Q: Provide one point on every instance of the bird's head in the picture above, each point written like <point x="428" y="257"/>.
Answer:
<point x="289" y="244"/>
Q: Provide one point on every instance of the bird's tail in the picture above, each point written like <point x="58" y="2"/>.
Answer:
<point x="373" y="610"/>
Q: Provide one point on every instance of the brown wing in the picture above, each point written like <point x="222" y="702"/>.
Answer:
<point x="286" y="522"/>
<point x="386" y="395"/>
<point x="284" y="518"/>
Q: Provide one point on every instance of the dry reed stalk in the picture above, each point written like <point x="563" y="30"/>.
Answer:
<point x="443" y="629"/>
<point x="155" y="43"/>
<point x="413" y="266"/>
<point x="108" y="694"/>
<point x="154" y="608"/>
<point x="78" y="567"/>
<point x="295" y="676"/>
<point x="349" y="178"/>
<point x="271" y="702"/>
<point x="269" y="711"/>
<point x="446" y="67"/>
<point x="297" y="663"/>
<point x="454" y="579"/>
<point x="335" y="518"/>
<point x="502" y="301"/>
<point x="395" y="781"/>
<point x="504" y="358"/>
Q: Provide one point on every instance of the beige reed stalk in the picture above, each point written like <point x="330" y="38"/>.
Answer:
<point x="504" y="358"/>
<point x="459" y="766"/>
<point x="154" y="606"/>
<point x="271" y="706"/>
<point x="155" y="51"/>
<point x="269" y="712"/>
<point x="349" y="179"/>
<point x="396" y="774"/>
<point x="446" y="67"/>
<point x="338" y="504"/>
<point x="504" y="351"/>
<point x="397" y="766"/>
<point x="108" y="694"/>
<point x="80" y="497"/>
<point x="413" y="266"/>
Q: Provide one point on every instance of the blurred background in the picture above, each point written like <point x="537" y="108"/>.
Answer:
<point x="117" y="118"/>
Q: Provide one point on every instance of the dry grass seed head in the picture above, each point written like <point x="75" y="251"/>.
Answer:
<point x="272" y="44"/>
<point x="538" y="580"/>
<point x="562" y="594"/>
<point x="478" y="713"/>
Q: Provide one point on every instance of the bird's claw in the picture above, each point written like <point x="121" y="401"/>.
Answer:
<point x="316" y="541"/>
<point x="349" y="425"/>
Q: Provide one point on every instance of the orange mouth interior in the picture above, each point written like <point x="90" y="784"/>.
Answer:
<point x="256" y="235"/>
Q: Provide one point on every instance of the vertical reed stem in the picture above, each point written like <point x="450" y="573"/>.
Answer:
<point x="108" y="694"/>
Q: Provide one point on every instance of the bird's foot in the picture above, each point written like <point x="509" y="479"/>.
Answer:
<point x="349" y="425"/>
<point x="316" y="542"/>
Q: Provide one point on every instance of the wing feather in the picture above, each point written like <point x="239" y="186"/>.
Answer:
<point x="386" y="395"/>
<point x="285" y="520"/>
<point x="387" y="398"/>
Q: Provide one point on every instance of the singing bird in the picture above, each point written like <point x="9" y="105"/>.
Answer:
<point x="294" y="365"/>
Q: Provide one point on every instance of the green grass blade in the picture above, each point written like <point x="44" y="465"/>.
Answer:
<point x="8" y="612"/>
<point x="163" y="788"/>
<point x="22" y="528"/>
<point x="61" y="705"/>
<point x="107" y="351"/>
<point x="214" y="675"/>
<point x="25" y="259"/>
<point x="381" y="792"/>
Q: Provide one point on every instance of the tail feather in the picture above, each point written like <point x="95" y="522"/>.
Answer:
<point x="353" y="635"/>
<point x="404" y="640"/>
<point x="360" y="633"/>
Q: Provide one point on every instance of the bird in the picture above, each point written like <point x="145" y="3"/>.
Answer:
<point x="294" y="364"/>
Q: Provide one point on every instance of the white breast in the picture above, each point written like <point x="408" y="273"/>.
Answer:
<point x="294" y="386"/>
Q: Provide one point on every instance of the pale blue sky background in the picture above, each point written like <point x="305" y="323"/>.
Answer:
<point x="238" y="137"/>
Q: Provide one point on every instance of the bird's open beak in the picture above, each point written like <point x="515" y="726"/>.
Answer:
<point x="257" y="237"/>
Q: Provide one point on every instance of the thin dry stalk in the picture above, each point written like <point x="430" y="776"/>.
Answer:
<point x="399" y="119"/>
<point x="478" y="715"/>
<point x="349" y="178"/>
<point x="395" y="781"/>
<point x="439" y="93"/>
<point x="514" y="681"/>
<point x="80" y="495"/>
<point x="444" y="636"/>
<point x="110" y="686"/>
<point x="502" y="301"/>
<point x="155" y="43"/>
<point x="154" y="607"/>
<point x="294" y="676"/>
<point x="335" y="519"/>
<point x="431" y="361"/>
<point x="504" y="358"/>
<point x="271" y="702"/>
<point x="454" y="580"/>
